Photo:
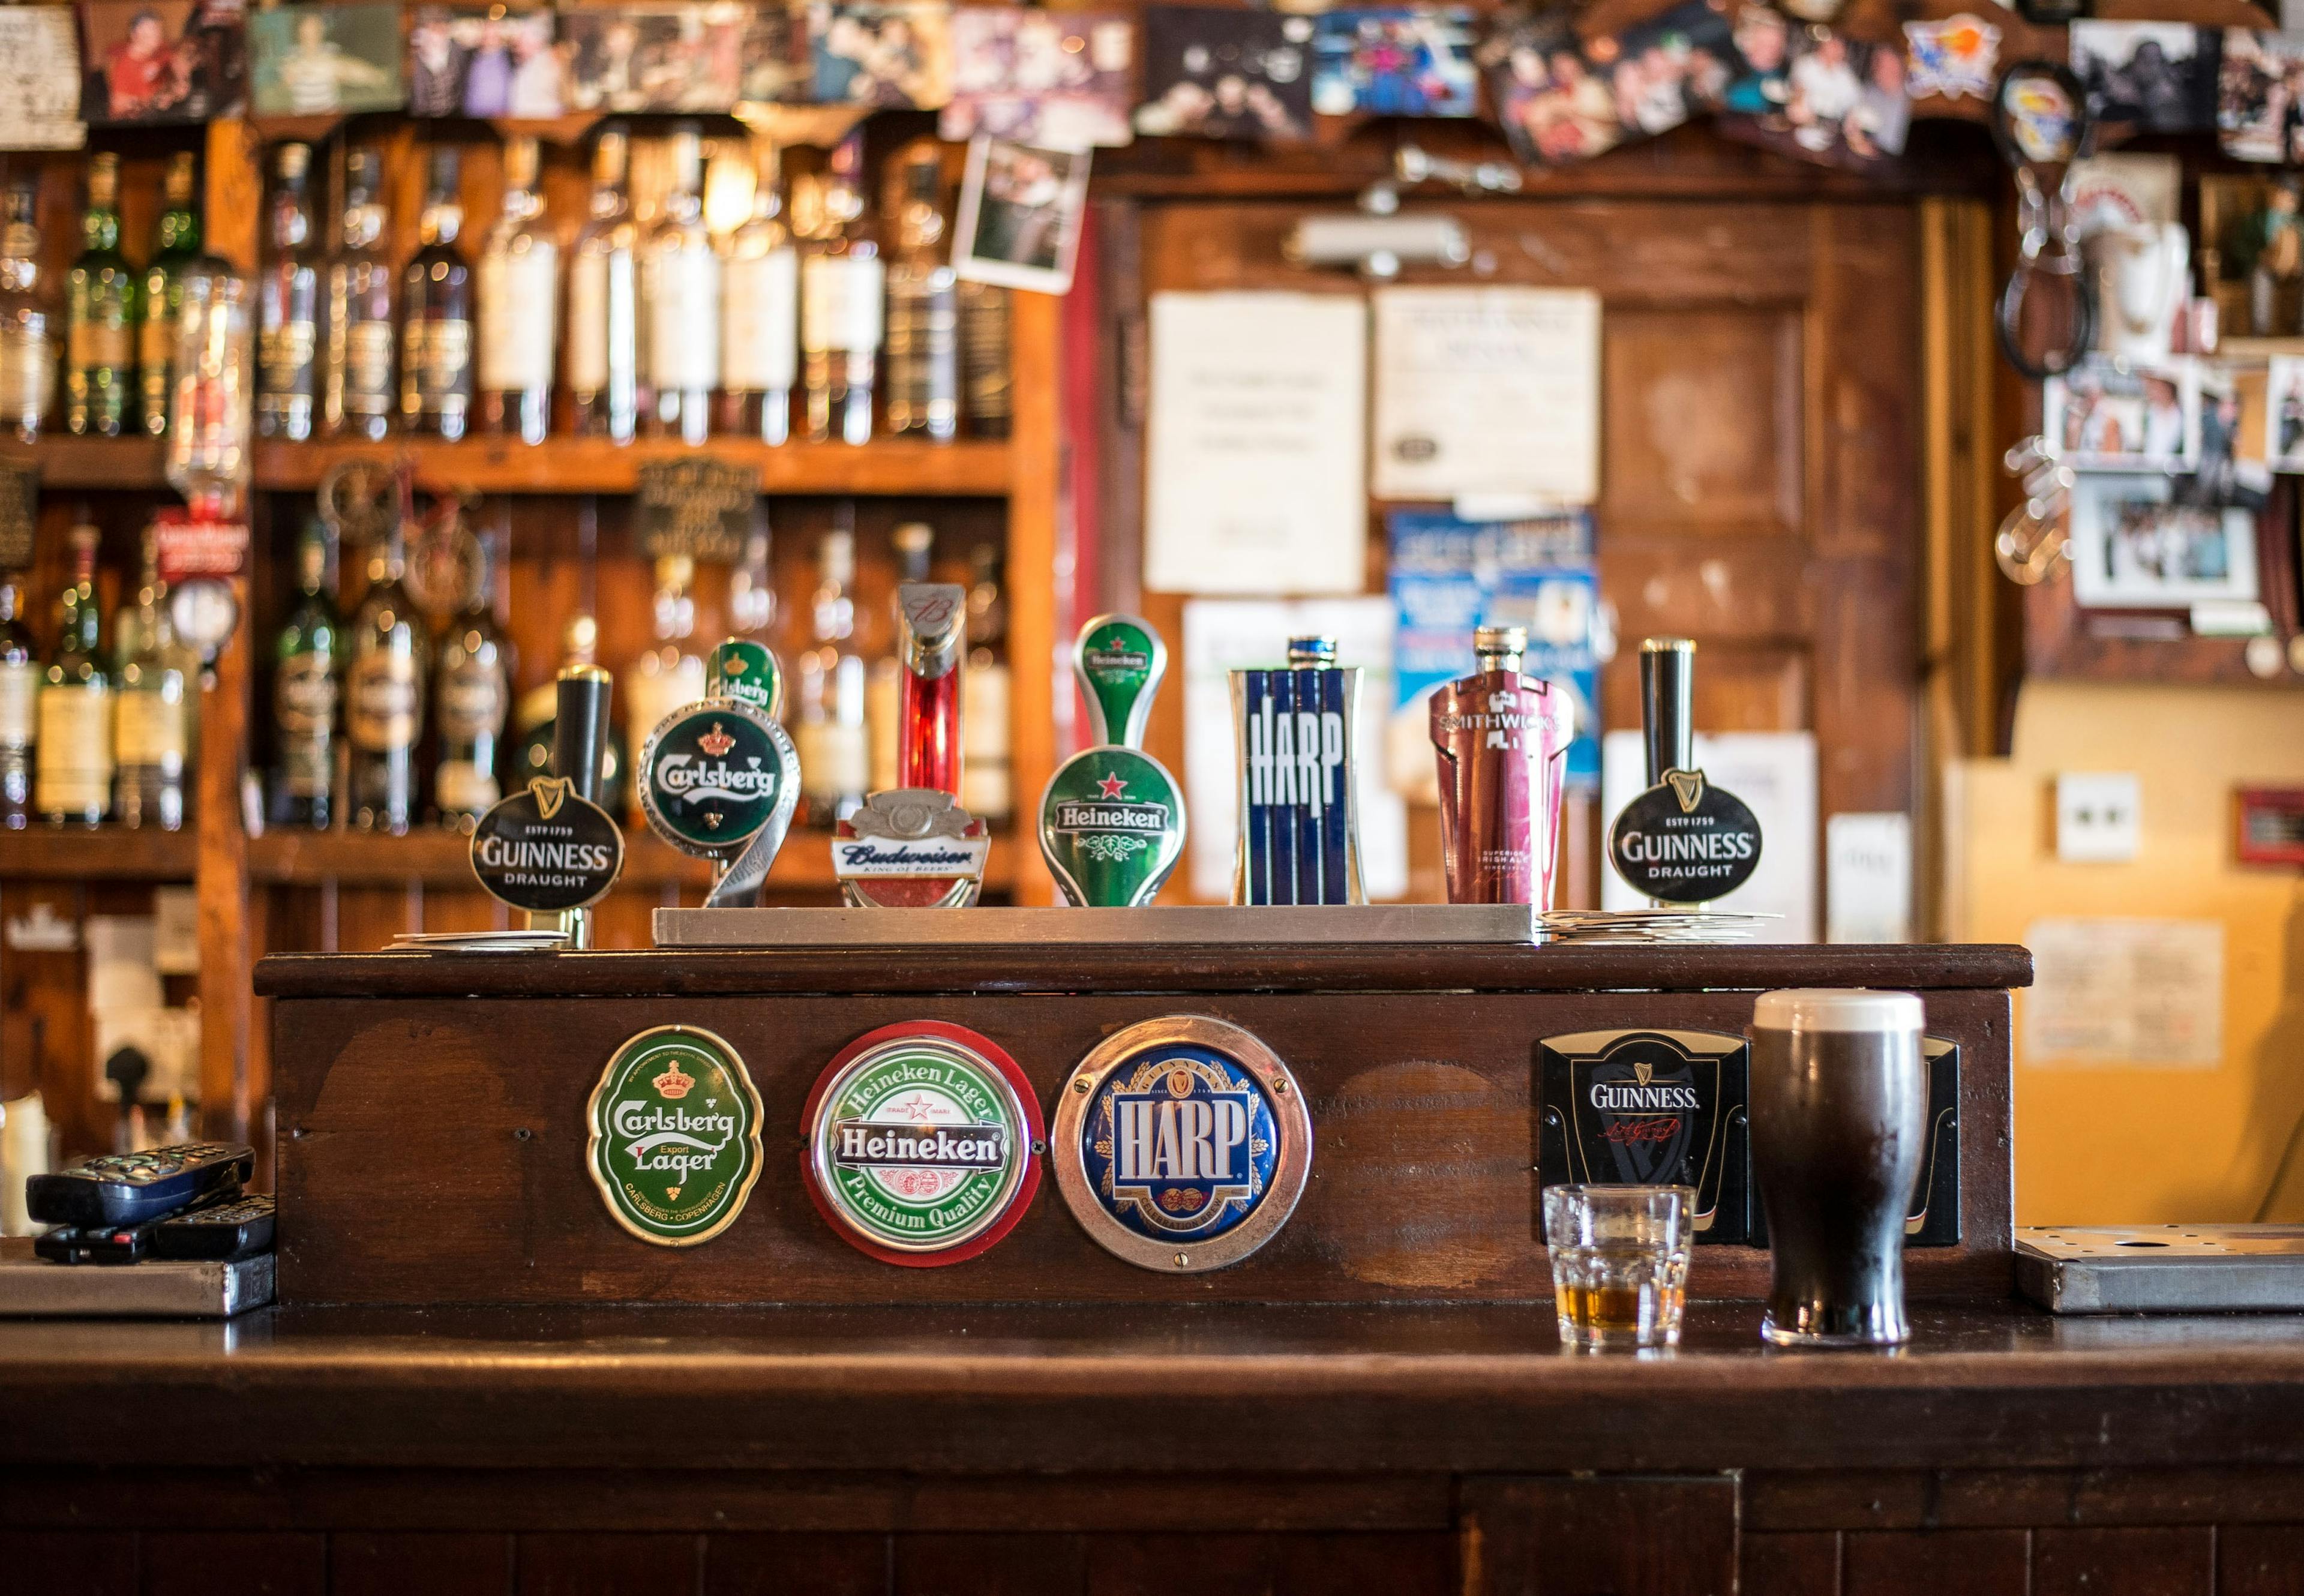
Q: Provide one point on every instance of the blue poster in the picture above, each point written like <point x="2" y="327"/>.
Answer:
<point x="1449" y="576"/>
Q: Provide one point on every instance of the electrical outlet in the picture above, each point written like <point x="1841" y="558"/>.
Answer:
<point x="2099" y="815"/>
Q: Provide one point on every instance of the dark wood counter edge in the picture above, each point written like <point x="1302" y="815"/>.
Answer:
<point x="1091" y="967"/>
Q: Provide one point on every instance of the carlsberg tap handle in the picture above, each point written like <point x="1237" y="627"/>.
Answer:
<point x="580" y="735"/>
<point x="1668" y="704"/>
<point x="1119" y="661"/>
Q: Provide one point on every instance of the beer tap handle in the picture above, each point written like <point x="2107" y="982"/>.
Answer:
<point x="748" y="672"/>
<point x="1668" y="704"/>
<point x="1119" y="661"/>
<point x="580" y="734"/>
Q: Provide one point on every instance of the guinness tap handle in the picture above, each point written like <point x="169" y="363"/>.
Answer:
<point x="580" y="736"/>
<point x="1668" y="704"/>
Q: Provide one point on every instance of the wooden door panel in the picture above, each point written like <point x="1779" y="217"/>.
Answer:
<point x="1701" y="421"/>
<point x="1739" y="688"/>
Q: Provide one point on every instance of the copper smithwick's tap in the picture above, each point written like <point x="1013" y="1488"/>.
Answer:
<point x="1503" y="743"/>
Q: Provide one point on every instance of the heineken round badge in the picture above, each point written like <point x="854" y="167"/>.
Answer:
<point x="1112" y="827"/>
<point x="1181" y="1144"/>
<point x="922" y="1143"/>
<point x="675" y="1135"/>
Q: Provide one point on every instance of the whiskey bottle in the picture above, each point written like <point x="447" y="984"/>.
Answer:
<point x="287" y="302"/>
<point x="752" y="585"/>
<point x="984" y="340"/>
<point x="603" y="306"/>
<point x="471" y="696"/>
<point x="28" y="325"/>
<point x="175" y="245"/>
<point x="841" y="282"/>
<point x="915" y="543"/>
<point x="360" y="394"/>
<point x="760" y="327"/>
<point x="308" y="656"/>
<point x="384" y="708"/>
<point x="985" y="789"/>
<point x="682" y="288"/>
<point x="152" y="713"/>
<point x="834" y="755"/>
<point x="923" y="300"/>
<point x="669" y="673"/>
<point x="19" y="680"/>
<point x="435" y="314"/>
<point x="534" y="722"/>
<point x="73" y="740"/>
<point x="520" y="306"/>
<point x="100" y="360"/>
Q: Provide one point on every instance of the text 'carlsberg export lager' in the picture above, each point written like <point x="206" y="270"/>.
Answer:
<point x="1502" y="741"/>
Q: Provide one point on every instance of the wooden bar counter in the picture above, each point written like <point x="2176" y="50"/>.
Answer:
<point x="476" y="1381"/>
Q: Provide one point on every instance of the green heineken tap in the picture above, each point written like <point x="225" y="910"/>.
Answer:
<point x="1119" y="661"/>
<point x="1112" y="822"/>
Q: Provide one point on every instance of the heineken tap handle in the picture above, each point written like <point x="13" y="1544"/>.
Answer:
<point x="1119" y="661"/>
<point x="1668" y="704"/>
<point x="580" y="735"/>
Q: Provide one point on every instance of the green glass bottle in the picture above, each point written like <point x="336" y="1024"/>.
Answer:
<point x="384" y="704"/>
<point x="175" y="245"/>
<point x="307" y="664"/>
<point x="152" y="719"/>
<point x="100" y="345"/>
<point x="72" y="743"/>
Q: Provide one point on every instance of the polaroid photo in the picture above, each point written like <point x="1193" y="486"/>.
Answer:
<point x="2136" y="545"/>
<point x="1832" y="99"/>
<point x="897" y="53"/>
<point x="1675" y="66"/>
<point x="1394" y="62"/>
<point x="154" y="62"/>
<point x="1061" y="78"/>
<point x="662" y="57"/>
<point x="2156" y="75"/>
<point x="40" y="80"/>
<point x="2260" y="96"/>
<point x="1553" y="103"/>
<point x="1021" y="208"/>
<point x="2228" y="467"/>
<point x="2123" y="416"/>
<point x="775" y="67"/>
<point x="322" y="60"/>
<point x="2284" y="414"/>
<point x="1213" y="72"/>
<point x="472" y="61"/>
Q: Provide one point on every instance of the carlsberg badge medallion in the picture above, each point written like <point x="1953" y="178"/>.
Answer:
<point x="1181" y="1144"/>
<point x="719" y="779"/>
<point x="923" y="1143"/>
<point x="1651" y="1108"/>
<point x="1112" y="827"/>
<point x="675" y="1135"/>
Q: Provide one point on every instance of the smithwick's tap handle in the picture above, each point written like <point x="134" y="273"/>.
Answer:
<point x="580" y="736"/>
<point x="1668" y="704"/>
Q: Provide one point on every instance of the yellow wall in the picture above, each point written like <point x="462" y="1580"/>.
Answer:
<point x="2123" y="1143"/>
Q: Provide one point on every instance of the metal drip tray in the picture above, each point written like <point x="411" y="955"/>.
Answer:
<point x="2162" y="1268"/>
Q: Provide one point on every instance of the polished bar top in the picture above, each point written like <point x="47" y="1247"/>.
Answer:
<point x="1395" y="1389"/>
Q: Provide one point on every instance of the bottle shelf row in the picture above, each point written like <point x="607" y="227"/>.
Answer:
<point x="973" y="469"/>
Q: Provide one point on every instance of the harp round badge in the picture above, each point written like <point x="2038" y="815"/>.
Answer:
<point x="923" y="1143"/>
<point x="675" y="1135"/>
<point x="1181" y="1144"/>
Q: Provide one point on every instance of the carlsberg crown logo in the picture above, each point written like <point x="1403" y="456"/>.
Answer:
<point x="675" y="1142"/>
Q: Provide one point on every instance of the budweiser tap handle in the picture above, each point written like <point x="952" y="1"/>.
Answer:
<point x="580" y="736"/>
<point x="1668" y="704"/>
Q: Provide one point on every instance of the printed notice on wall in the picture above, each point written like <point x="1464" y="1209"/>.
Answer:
<point x="2120" y="991"/>
<point x="1257" y="480"/>
<point x="1487" y="394"/>
<point x="39" y="78"/>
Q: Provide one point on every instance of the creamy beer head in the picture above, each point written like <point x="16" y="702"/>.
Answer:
<point x="1825" y="1008"/>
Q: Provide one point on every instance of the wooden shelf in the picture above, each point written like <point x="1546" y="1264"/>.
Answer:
<point x="974" y="468"/>
<point x="111" y="464"/>
<point x="110" y="852"/>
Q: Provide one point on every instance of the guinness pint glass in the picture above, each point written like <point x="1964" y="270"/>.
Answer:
<point x="1840" y="1102"/>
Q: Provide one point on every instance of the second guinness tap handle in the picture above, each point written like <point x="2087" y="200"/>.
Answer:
<point x="1668" y="704"/>
<point x="580" y="736"/>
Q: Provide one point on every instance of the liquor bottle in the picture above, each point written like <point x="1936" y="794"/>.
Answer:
<point x="435" y="314"/>
<point x="20" y="677"/>
<point x="72" y="741"/>
<point x="471" y="695"/>
<point x="308" y="656"/>
<point x="360" y="393"/>
<point x="520" y="306"/>
<point x="923" y="300"/>
<point x="669" y="673"/>
<point x="604" y="303"/>
<point x="752" y="585"/>
<point x="681" y="285"/>
<point x="152" y="713"/>
<point x="1502" y="744"/>
<point x="984" y="790"/>
<point x="27" y="327"/>
<point x="100" y="360"/>
<point x="841" y="282"/>
<point x="175" y="245"/>
<point x="915" y="543"/>
<point x="834" y="756"/>
<point x="384" y="707"/>
<point x="759" y="326"/>
<point x="287" y="303"/>
<point x="534" y="722"/>
<point x="983" y="324"/>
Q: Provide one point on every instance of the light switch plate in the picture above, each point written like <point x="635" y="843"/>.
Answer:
<point x="2099" y="815"/>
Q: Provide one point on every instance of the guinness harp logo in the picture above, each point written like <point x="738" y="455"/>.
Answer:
<point x="1688" y="786"/>
<point x="550" y="794"/>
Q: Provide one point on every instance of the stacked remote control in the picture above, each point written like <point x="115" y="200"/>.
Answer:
<point x="178" y="1202"/>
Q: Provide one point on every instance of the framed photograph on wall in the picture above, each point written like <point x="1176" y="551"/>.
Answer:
<point x="2134" y="546"/>
<point x="2123" y="416"/>
<point x="1021" y="207"/>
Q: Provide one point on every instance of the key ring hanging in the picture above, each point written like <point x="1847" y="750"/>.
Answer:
<point x="2041" y="123"/>
<point x="2036" y="534"/>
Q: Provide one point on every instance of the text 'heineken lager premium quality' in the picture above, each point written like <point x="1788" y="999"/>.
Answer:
<point x="1298" y="824"/>
<point x="1112" y="819"/>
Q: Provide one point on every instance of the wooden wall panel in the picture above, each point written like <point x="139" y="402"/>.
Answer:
<point x="2131" y="1562"/>
<point x="232" y="1563"/>
<point x="1804" y="1564"/>
<point x="574" y="1563"/>
<point x="365" y="1563"/>
<point x="1587" y="1536"/>
<point x="2260" y="1560"/>
<point x="802" y="1565"/>
<point x="1915" y="1562"/>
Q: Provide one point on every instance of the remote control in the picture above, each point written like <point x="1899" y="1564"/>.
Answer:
<point x="124" y="1189"/>
<point x="76" y="1244"/>
<point x="225" y="1232"/>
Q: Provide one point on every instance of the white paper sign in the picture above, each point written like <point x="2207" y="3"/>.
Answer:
<point x="1867" y="878"/>
<point x="1773" y="772"/>
<point x="1224" y="635"/>
<point x="1487" y="391"/>
<point x="1256" y="477"/>
<point x="39" y="78"/>
<point x="2119" y="991"/>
